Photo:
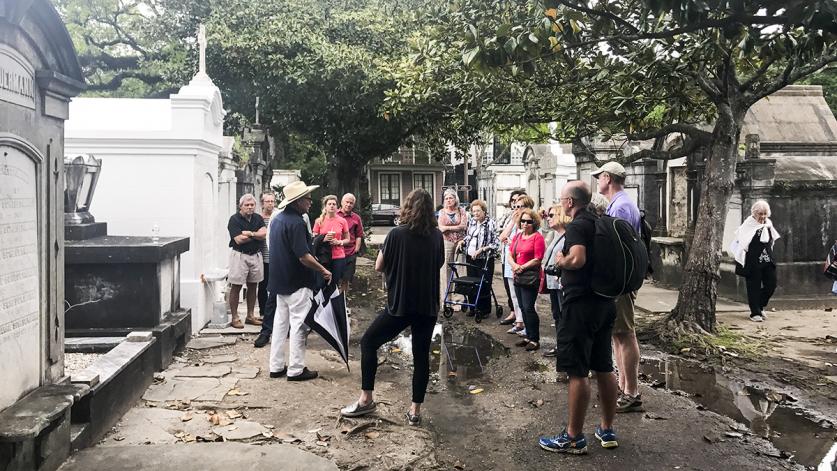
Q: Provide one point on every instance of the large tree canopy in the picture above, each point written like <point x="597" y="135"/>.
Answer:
<point x="320" y="68"/>
<point x="644" y="69"/>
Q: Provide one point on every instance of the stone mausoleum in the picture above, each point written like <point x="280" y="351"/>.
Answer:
<point x="168" y="169"/>
<point x="39" y="74"/>
<point x="788" y="157"/>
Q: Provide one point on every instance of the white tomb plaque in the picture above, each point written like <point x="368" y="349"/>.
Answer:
<point x="20" y="292"/>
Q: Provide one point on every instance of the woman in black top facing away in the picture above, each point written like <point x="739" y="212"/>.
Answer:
<point x="411" y="259"/>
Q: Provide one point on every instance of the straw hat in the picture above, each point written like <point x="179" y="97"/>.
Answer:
<point x="294" y="191"/>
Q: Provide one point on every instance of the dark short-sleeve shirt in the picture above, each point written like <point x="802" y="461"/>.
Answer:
<point x="581" y="231"/>
<point x="239" y="224"/>
<point x="289" y="241"/>
<point x="411" y="265"/>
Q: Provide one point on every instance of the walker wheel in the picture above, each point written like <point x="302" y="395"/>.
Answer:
<point x="478" y="317"/>
<point x="499" y="310"/>
<point x="447" y="312"/>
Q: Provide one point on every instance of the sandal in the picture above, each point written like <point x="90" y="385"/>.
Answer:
<point x="236" y="324"/>
<point x="253" y="321"/>
<point x="532" y="346"/>
<point x="521" y="343"/>
<point x="357" y="410"/>
<point x="413" y="420"/>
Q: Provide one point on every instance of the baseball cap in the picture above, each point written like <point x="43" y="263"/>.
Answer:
<point x="613" y="168"/>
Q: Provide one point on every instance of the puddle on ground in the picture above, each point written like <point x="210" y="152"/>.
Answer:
<point x="767" y="413"/>
<point x="460" y="355"/>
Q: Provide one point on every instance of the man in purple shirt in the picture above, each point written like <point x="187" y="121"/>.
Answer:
<point x="611" y="184"/>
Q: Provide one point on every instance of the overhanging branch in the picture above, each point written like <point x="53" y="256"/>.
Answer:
<point x="792" y="74"/>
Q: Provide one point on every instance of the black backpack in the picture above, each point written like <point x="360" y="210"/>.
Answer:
<point x="620" y="259"/>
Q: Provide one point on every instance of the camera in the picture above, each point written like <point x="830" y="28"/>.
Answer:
<point x="552" y="270"/>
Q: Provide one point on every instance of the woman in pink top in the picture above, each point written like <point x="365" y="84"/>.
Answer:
<point x="526" y="251"/>
<point x="336" y="232"/>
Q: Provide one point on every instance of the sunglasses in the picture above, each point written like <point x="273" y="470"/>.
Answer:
<point x="517" y="207"/>
<point x="527" y="221"/>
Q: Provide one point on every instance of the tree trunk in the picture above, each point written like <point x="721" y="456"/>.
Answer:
<point x="695" y="309"/>
<point x="343" y="177"/>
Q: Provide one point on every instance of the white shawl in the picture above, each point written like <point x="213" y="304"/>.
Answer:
<point x="744" y="234"/>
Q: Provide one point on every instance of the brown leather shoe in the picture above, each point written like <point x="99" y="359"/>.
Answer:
<point x="237" y="324"/>
<point x="253" y="321"/>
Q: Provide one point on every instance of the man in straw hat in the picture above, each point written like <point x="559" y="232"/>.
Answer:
<point x="293" y="272"/>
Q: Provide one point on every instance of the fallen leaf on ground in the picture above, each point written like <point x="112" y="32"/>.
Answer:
<point x="269" y="426"/>
<point x="315" y="430"/>
<point x="186" y="417"/>
<point x="395" y="350"/>
<point x="237" y="392"/>
<point x="233" y="414"/>
<point x="358" y="428"/>
<point x="323" y="437"/>
<point x="267" y="434"/>
<point x="215" y="419"/>
<point x="712" y="438"/>
<point x="539" y="402"/>
<point x="180" y="434"/>
<point x="372" y="435"/>
<point x="321" y="443"/>
<point x="476" y="391"/>
<point x="734" y="434"/>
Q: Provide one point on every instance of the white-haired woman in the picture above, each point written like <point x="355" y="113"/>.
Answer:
<point x="452" y="221"/>
<point x="753" y="252"/>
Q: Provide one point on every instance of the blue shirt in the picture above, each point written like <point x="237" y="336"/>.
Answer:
<point x="289" y="241"/>
<point x="623" y="207"/>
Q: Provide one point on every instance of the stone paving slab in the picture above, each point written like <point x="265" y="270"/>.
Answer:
<point x="248" y="329"/>
<point x="207" y="371"/>
<point x="246" y="372"/>
<point x="190" y="389"/>
<point x="203" y="343"/>
<point x="197" y="457"/>
<point x="215" y="359"/>
<point x="657" y="300"/>
<point x="240" y="430"/>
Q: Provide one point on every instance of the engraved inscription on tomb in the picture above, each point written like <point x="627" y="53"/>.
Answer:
<point x="20" y="291"/>
<point x="17" y="79"/>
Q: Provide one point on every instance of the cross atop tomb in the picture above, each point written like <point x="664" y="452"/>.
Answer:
<point x="202" y="51"/>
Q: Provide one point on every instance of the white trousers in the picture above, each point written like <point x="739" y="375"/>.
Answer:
<point x="291" y="310"/>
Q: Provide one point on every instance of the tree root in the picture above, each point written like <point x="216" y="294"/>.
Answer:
<point x="674" y="337"/>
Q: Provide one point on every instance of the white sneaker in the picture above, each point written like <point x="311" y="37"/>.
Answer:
<point x="757" y="318"/>
<point x="522" y="333"/>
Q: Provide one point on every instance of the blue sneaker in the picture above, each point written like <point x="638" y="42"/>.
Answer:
<point x="564" y="443"/>
<point x="607" y="437"/>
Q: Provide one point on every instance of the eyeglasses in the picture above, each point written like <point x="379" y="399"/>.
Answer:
<point x="527" y="221"/>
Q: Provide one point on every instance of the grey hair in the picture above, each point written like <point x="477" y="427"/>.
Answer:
<point x="246" y="197"/>
<point x="598" y="203"/>
<point x="760" y="204"/>
<point x="452" y="193"/>
<point x="347" y="195"/>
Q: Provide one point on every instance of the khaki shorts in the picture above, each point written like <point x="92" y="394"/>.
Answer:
<point x="245" y="268"/>
<point x="624" y="323"/>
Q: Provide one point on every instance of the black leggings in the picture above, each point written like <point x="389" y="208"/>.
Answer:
<point x="385" y="328"/>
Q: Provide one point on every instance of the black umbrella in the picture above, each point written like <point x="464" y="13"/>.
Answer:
<point x="328" y="318"/>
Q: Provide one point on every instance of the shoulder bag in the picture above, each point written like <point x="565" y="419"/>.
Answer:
<point x="531" y="276"/>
